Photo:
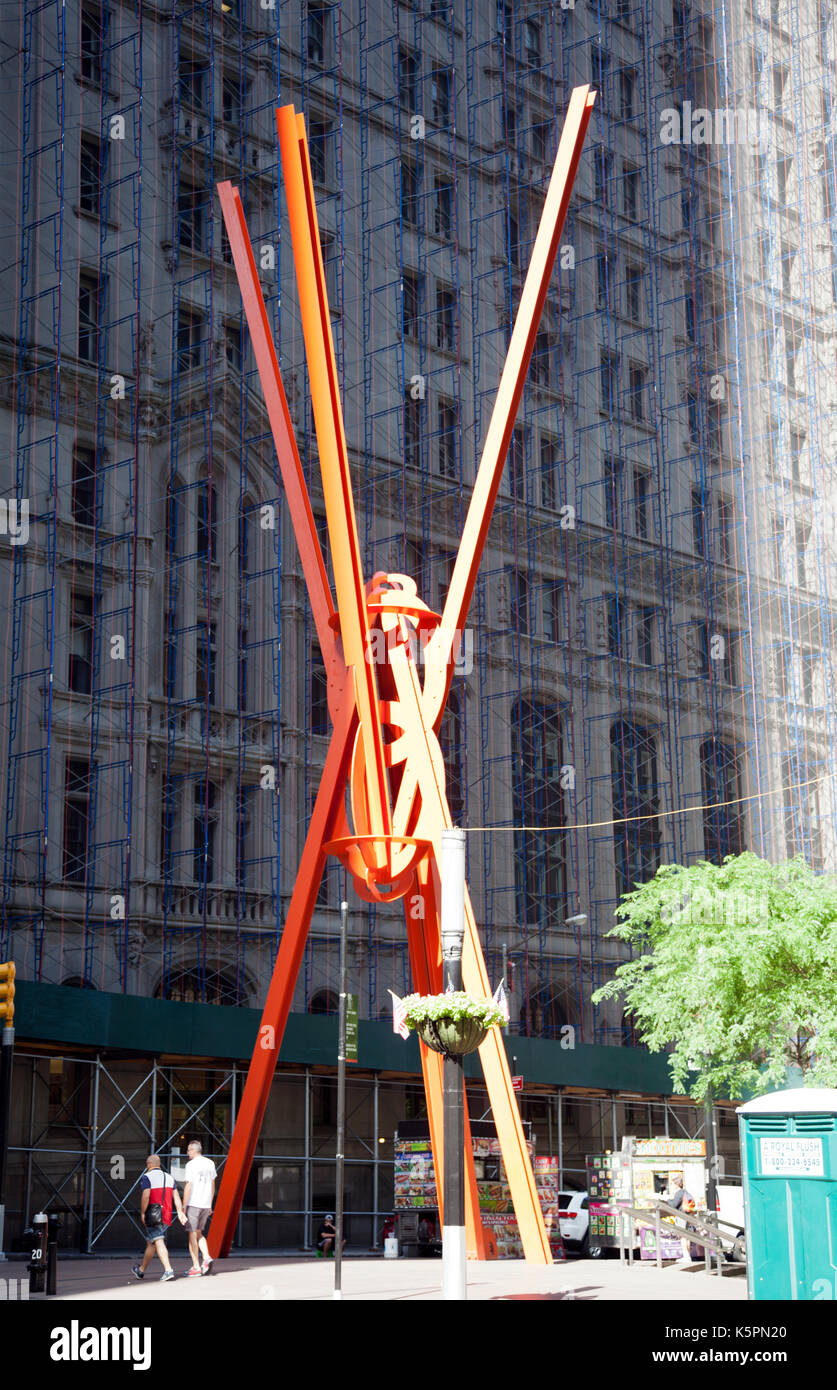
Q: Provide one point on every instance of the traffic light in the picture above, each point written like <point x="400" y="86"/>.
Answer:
<point x="7" y="992"/>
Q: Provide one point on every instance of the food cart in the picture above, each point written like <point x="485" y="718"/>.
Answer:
<point x="639" y="1176"/>
<point x="416" y="1203"/>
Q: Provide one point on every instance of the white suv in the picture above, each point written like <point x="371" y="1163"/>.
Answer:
<point x="574" y="1222"/>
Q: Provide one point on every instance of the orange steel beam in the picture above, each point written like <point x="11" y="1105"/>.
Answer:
<point x="328" y="809"/>
<point x="512" y="379"/>
<point x="293" y="478"/>
<point x="334" y="459"/>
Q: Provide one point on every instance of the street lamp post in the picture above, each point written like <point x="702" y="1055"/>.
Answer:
<point x="454" y="1284"/>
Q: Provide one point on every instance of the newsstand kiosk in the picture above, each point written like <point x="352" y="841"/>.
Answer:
<point x="638" y="1176"/>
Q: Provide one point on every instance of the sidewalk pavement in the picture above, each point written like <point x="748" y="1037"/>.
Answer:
<point x="301" y="1279"/>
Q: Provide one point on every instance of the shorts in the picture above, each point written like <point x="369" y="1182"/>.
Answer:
<point x="158" y="1232"/>
<point x="197" y="1217"/>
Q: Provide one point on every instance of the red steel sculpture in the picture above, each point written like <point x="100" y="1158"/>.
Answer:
<point x="385" y="717"/>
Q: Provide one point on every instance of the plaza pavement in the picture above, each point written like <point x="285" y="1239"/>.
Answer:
<point x="301" y="1278"/>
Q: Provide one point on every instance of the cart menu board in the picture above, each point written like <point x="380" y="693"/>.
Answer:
<point x="415" y="1186"/>
<point x="609" y="1189"/>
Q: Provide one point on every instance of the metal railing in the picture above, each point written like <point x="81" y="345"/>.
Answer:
<point x="698" y="1228"/>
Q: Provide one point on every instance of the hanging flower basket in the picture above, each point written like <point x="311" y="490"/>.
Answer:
<point x="453" y="1024"/>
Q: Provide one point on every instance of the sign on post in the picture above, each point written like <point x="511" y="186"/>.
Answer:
<point x="351" y="1027"/>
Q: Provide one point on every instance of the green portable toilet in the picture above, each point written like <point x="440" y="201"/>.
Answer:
<point x="789" y="1167"/>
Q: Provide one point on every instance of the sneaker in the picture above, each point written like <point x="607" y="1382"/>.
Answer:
<point x="206" y="1267"/>
<point x="137" y="1272"/>
<point x="193" y="1271"/>
<point x="169" y="1274"/>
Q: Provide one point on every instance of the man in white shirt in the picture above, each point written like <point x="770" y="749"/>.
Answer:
<point x="200" y="1177"/>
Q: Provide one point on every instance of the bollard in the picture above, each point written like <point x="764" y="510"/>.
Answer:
<point x="53" y="1227"/>
<point x="37" y="1264"/>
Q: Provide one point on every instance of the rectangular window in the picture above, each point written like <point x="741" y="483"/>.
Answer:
<point x="608" y="376"/>
<point x="446" y="417"/>
<point x="440" y="96"/>
<point x="243" y="832"/>
<point x="411" y="301"/>
<point x="204" y="830"/>
<point x="206" y="663"/>
<point x="170" y="656"/>
<point x="777" y="547"/>
<point x="633" y="293"/>
<point x="320" y="720"/>
<point x="519" y="600"/>
<point x="408" y="75"/>
<point x="725" y="534"/>
<point x="84" y="485"/>
<point x="783" y="173"/>
<point x="798" y="438"/>
<point x="638" y="376"/>
<point x="802" y="534"/>
<point x="443" y="209"/>
<point x="231" y="100"/>
<point x="90" y="305"/>
<point x="317" y="38"/>
<point x="645" y="623"/>
<point x="233" y="346"/>
<point x="553" y="610"/>
<point x="642" y="486"/>
<point x="190" y="327"/>
<point x="630" y="193"/>
<point x="330" y="252"/>
<point x="541" y="140"/>
<point x="193" y="82"/>
<point x="627" y="88"/>
<point x="698" y="523"/>
<point x="691" y="322"/>
<point x="548" y="464"/>
<point x="242" y="670"/>
<point x="412" y="432"/>
<point x="319" y="151"/>
<point x="532" y="43"/>
<point x="615" y="625"/>
<point x="613" y="492"/>
<point x="693" y="409"/>
<point x="76" y="819"/>
<point x="90" y="175"/>
<point x="190" y="218"/>
<point x="603" y="273"/>
<point x="517" y="465"/>
<point x="540" y="369"/>
<point x="92" y="21"/>
<point x="445" y="318"/>
<point x="409" y="194"/>
<point x="80" y="674"/>
<point x="602" y="169"/>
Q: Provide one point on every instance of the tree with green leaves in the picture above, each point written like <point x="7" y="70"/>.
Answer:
<point x="734" y="968"/>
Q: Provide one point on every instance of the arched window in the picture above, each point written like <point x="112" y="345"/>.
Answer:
<point x="539" y="801"/>
<point x="550" y="1008"/>
<point x="204" y="831"/>
<point x="196" y="986"/>
<point x="720" y="782"/>
<point x="207" y="532"/>
<point x="324" y="1001"/>
<point x="635" y="792"/>
<point x="77" y="982"/>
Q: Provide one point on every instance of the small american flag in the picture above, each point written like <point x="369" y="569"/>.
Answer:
<point x="501" y="1000"/>
<point x="399" y="1014"/>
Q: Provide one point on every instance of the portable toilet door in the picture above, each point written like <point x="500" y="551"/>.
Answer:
<point x="789" y="1168"/>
